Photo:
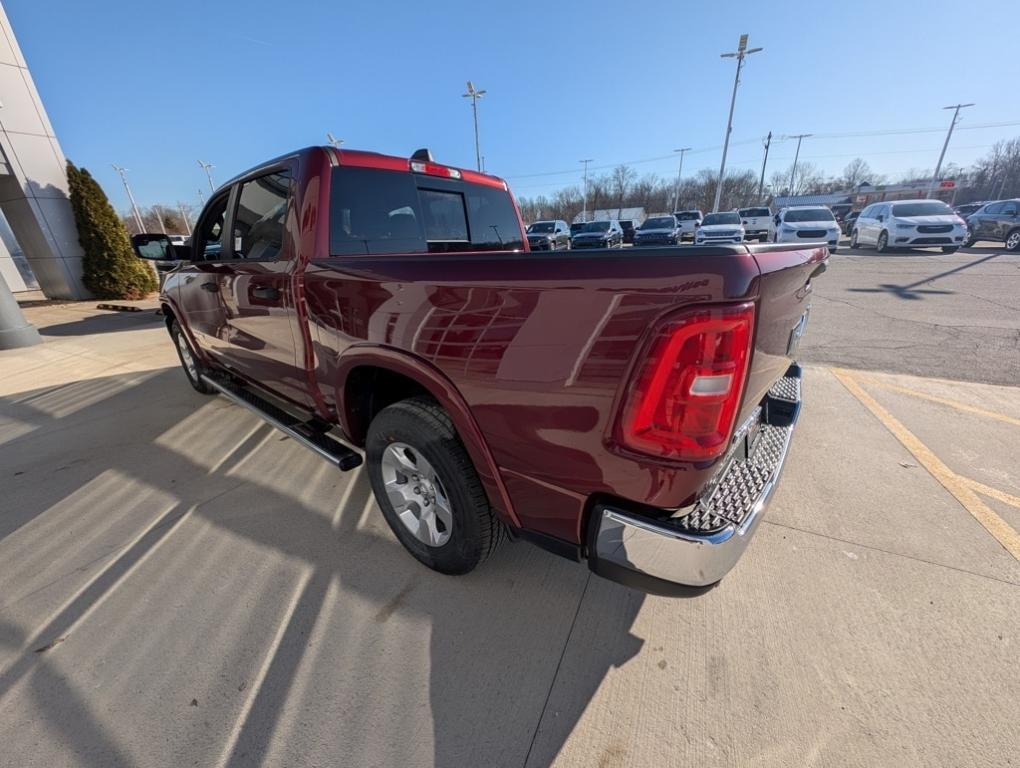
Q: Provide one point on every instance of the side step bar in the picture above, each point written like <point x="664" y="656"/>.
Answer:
<point x="327" y="447"/>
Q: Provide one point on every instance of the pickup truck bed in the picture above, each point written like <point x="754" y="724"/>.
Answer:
<point x="538" y="361"/>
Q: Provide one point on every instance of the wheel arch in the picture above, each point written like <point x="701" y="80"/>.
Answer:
<point x="371" y="377"/>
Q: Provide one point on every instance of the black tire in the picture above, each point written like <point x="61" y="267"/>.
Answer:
<point x="422" y="425"/>
<point x="882" y="243"/>
<point x="192" y="368"/>
<point x="950" y="248"/>
<point x="1012" y="240"/>
<point x="853" y="240"/>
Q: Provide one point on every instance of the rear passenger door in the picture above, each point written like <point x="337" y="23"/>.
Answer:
<point x="1006" y="220"/>
<point x="984" y="222"/>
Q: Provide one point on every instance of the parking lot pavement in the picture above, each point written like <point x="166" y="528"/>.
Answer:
<point x="183" y="585"/>
<point x="954" y="316"/>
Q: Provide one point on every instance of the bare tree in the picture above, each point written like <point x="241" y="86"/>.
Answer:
<point x="856" y="171"/>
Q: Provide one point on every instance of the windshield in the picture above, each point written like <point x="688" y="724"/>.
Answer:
<point x="730" y="217"/>
<point x="688" y="215"/>
<point x="755" y="212"/>
<point x="596" y="226"/>
<point x="659" y="222"/>
<point x="926" y="208"/>
<point x="541" y="227"/>
<point x="809" y="214"/>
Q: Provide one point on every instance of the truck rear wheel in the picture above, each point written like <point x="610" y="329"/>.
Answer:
<point x="428" y="489"/>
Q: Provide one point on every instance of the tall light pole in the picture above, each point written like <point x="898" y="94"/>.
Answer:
<point x="201" y="198"/>
<point x="584" y="203"/>
<point x="796" y="156"/>
<point x="761" y="182"/>
<point x="134" y="206"/>
<point x="158" y="210"/>
<point x="938" y="168"/>
<point x="207" y="167"/>
<point x="741" y="52"/>
<point x="184" y="216"/>
<point x="337" y="143"/>
<point x="679" y="173"/>
<point x="475" y="94"/>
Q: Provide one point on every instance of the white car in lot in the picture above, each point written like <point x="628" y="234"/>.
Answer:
<point x="806" y="223"/>
<point x="720" y="228"/>
<point x="757" y="223"/>
<point x="909" y="224"/>
<point x="689" y="222"/>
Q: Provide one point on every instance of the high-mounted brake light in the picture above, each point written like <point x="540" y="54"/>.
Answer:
<point x="683" y="401"/>
<point x="434" y="169"/>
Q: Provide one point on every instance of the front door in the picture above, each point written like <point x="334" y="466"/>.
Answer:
<point x="263" y="335"/>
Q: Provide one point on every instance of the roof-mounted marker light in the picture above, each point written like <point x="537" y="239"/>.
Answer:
<point x="434" y="169"/>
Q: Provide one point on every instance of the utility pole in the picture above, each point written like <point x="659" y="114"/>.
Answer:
<point x="134" y="206"/>
<point x="207" y="167"/>
<point x="679" y="173"/>
<point x="741" y="52"/>
<point x="158" y="210"/>
<point x="184" y="216"/>
<point x="796" y="156"/>
<point x="475" y="94"/>
<point x="938" y="168"/>
<point x="201" y="198"/>
<point x="584" y="204"/>
<point x="764" y="161"/>
<point x="337" y="143"/>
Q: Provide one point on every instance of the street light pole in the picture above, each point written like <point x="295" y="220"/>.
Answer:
<point x="134" y="206"/>
<point x="584" y="203"/>
<point x="764" y="161"/>
<point x="741" y="52"/>
<point x="184" y="216"/>
<point x="207" y="167"/>
<point x="938" y="168"/>
<point x="475" y="94"/>
<point x="796" y="156"/>
<point x="679" y="173"/>
<point x="334" y="140"/>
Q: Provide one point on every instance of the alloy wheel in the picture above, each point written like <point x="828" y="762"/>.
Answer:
<point x="417" y="494"/>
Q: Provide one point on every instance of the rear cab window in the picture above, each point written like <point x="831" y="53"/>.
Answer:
<point x="377" y="211"/>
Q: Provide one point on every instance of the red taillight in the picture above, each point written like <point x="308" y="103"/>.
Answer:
<point x="684" y="399"/>
<point x="434" y="169"/>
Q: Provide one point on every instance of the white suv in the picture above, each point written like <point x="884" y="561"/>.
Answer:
<point x="689" y="222"/>
<point x="806" y="223"/>
<point x="909" y="224"/>
<point x="723" y="227"/>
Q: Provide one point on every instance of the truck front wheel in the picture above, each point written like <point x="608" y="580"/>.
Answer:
<point x="427" y="487"/>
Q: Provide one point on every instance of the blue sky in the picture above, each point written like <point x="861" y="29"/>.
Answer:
<point x="156" y="86"/>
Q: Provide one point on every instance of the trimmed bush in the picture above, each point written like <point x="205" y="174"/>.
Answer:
<point x="110" y="268"/>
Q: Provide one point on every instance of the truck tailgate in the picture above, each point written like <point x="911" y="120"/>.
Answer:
<point x="784" y="300"/>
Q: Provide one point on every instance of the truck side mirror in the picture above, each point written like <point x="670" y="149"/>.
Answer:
<point x="158" y="248"/>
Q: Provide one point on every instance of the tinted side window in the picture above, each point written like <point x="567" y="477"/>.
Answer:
<point x="260" y="217"/>
<point x="494" y="223"/>
<point x="1009" y="209"/>
<point x="209" y="237"/>
<point x="374" y="211"/>
<point x="994" y="208"/>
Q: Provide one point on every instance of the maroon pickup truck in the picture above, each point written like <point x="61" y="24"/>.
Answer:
<point x="633" y="409"/>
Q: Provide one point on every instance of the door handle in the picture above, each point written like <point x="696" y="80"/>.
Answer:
<point x="269" y="293"/>
<point x="211" y="287"/>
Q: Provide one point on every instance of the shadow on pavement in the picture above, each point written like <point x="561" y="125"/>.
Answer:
<point x="111" y="322"/>
<point x="495" y="638"/>
<point x="913" y="291"/>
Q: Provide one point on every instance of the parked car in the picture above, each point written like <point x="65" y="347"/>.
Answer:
<point x="599" y="234"/>
<point x="627" y="225"/>
<point x="846" y="226"/>
<point x="811" y="223"/>
<point x="909" y="224"/>
<point x="549" y="236"/>
<point x="658" y="230"/>
<point x="689" y="222"/>
<point x="965" y="210"/>
<point x="757" y="223"/>
<point x="998" y="221"/>
<point x="724" y="227"/>
<point x="486" y="392"/>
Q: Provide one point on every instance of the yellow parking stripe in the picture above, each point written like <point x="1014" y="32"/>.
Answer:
<point x="945" y="401"/>
<point x="958" y="486"/>
<point x="993" y="493"/>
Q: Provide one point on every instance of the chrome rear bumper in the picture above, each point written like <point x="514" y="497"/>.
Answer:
<point x="670" y="556"/>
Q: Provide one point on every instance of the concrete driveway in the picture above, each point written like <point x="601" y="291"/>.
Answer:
<point x="181" y="585"/>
